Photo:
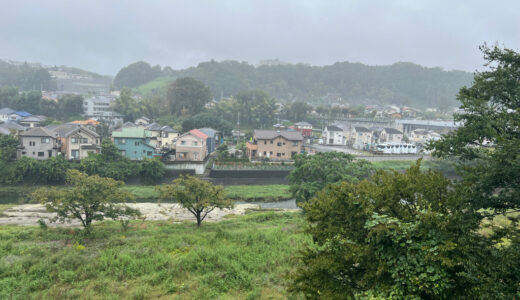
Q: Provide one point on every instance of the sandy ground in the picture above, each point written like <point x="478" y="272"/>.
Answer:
<point x="29" y="214"/>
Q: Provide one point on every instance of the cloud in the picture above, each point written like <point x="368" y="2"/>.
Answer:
<point x="104" y="36"/>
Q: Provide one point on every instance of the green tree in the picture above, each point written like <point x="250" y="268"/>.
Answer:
<point x="8" y="144"/>
<point x="207" y="119"/>
<point x="152" y="170"/>
<point x="110" y="152"/>
<point x="256" y="107"/>
<point x="399" y="236"/>
<point x="128" y="106"/>
<point x="297" y="111"/>
<point x="89" y="198"/>
<point x="313" y="172"/>
<point x="491" y="115"/>
<point x="136" y="74"/>
<point x="187" y="96"/>
<point x="198" y="196"/>
<point x="70" y="105"/>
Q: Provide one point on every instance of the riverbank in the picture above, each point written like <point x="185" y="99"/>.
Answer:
<point x="240" y="257"/>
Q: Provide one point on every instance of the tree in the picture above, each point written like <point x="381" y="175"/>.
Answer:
<point x="491" y="116"/>
<point x="89" y="198"/>
<point x="8" y="144"/>
<point x="70" y="105"/>
<point x="402" y="236"/>
<point x="109" y="151"/>
<point x="297" y="111"/>
<point x="136" y="74"/>
<point x="256" y="107"/>
<point x="313" y="172"/>
<point x="152" y="170"/>
<point x="187" y="96"/>
<point x="126" y="105"/>
<point x="207" y="119"/>
<point x="198" y="196"/>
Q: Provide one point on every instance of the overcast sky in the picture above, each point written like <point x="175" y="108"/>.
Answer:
<point x="105" y="35"/>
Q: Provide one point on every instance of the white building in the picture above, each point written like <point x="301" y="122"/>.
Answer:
<point x="333" y="135"/>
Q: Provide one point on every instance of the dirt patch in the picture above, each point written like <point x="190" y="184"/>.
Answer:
<point x="29" y="214"/>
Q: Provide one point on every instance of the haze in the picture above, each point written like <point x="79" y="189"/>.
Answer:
<point x="103" y="36"/>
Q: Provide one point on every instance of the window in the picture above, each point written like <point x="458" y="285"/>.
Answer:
<point x="270" y="152"/>
<point x="23" y="153"/>
<point x="136" y="143"/>
<point x="279" y="144"/>
<point x="183" y="142"/>
<point x="122" y="141"/>
<point x="195" y="155"/>
<point x="283" y="154"/>
<point x="149" y="153"/>
<point x="194" y="143"/>
<point x="278" y="154"/>
<point x="41" y="154"/>
<point x="74" y="140"/>
<point x="164" y="134"/>
<point x="144" y="151"/>
<point x="85" y="141"/>
<point x="271" y="142"/>
<point x="295" y="143"/>
<point x="265" y="153"/>
<point x="265" y="142"/>
<point x="45" y="140"/>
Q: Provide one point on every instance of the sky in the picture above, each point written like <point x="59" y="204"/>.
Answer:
<point x="105" y="35"/>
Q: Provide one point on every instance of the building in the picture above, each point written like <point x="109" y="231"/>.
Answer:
<point x="13" y="127"/>
<point x="360" y="137"/>
<point x="304" y="128"/>
<point x="274" y="145"/>
<point x="18" y="115"/>
<point x="38" y="143"/>
<point x="213" y="140"/>
<point x="191" y="146"/>
<point x="423" y="136"/>
<point x="32" y="121"/>
<point x="99" y="109"/>
<point x="392" y="136"/>
<point x="142" y="121"/>
<point x="162" y="136"/>
<point x="5" y="113"/>
<point x="76" y="141"/>
<point x="134" y="143"/>
<point x="333" y="135"/>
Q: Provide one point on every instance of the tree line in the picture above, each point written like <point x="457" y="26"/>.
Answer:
<point x="25" y="77"/>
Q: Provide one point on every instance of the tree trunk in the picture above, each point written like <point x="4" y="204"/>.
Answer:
<point x="199" y="219"/>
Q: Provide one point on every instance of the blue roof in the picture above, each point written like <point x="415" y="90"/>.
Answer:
<point x="23" y="113"/>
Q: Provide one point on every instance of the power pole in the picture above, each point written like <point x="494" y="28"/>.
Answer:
<point x="238" y="125"/>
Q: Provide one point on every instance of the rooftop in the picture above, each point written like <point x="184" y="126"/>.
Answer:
<point x="198" y="133"/>
<point x="37" y="131"/>
<point x="131" y="132"/>
<point x="6" y="111"/>
<point x="272" y="134"/>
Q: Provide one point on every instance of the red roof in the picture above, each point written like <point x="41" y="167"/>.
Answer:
<point x="198" y="133"/>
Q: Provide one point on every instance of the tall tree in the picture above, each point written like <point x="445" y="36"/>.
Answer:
<point x="127" y="105"/>
<point x="491" y="117"/>
<point x="297" y="111"/>
<point x="313" y="172"/>
<point x="8" y="144"/>
<point x="198" y="196"/>
<point x="256" y="107"/>
<point x="136" y="74"/>
<point x="187" y="96"/>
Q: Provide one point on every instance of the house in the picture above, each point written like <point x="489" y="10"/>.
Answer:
<point x="191" y="146"/>
<point x="128" y="125"/>
<point x="333" y="135"/>
<point x="13" y="127"/>
<point x="4" y="131"/>
<point x="5" y="113"/>
<point x="392" y="136"/>
<point x="134" y="143"/>
<point x="162" y="136"/>
<point x="423" y="136"/>
<point x="142" y="121"/>
<point x="90" y="122"/>
<point x="360" y="137"/>
<point x="76" y="141"/>
<point x="274" y="145"/>
<point x="304" y="128"/>
<point x="38" y="143"/>
<point x="213" y="139"/>
<point x="99" y="109"/>
<point x="32" y="121"/>
<point x="18" y="115"/>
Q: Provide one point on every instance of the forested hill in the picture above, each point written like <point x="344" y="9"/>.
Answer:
<point x="400" y="83"/>
<point x="25" y="77"/>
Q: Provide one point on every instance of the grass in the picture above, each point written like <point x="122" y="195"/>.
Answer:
<point x="401" y="164"/>
<point x="265" y="193"/>
<point x="245" y="257"/>
<point x="157" y="84"/>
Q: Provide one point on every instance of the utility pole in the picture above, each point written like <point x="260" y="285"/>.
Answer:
<point x="238" y="125"/>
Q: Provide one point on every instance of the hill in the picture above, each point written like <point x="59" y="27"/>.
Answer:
<point x="400" y="83"/>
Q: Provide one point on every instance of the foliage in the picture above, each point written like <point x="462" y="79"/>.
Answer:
<point x="400" y="83"/>
<point x="152" y="170"/>
<point x="230" y="259"/>
<point x="126" y="105"/>
<point x="90" y="198"/>
<point x="313" y="172"/>
<point x="187" y="96"/>
<point x="403" y="236"/>
<point x="70" y="105"/>
<point x="110" y="152"/>
<point x="8" y="144"/>
<point x="136" y="74"/>
<point x="222" y="152"/>
<point x="264" y="193"/>
<point x="25" y="77"/>
<point x="207" y="119"/>
<point x="297" y="111"/>
<point x="198" y="196"/>
<point x="491" y="114"/>
<point x="119" y="169"/>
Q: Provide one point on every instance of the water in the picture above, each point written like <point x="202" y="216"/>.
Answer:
<point x="287" y="204"/>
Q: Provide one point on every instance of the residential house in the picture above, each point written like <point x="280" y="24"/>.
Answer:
<point x="142" y="122"/>
<point x="38" y="143"/>
<point x="274" y="145"/>
<point x="32" y="121"/>
<point x="18" y="115"/>
<point x="162" y="136"/>
<point x="76" y="141"/>
<point x="423" y="136"/>
<point x="392" y="136"/>
<point x="128" y="125"/>
<point x="99" y="109"/>
<point x="5" y="113"/>
<point x="304" y="128"/>
<point x="360" y="137"/>
<point x="191" y="146"/>
<point x="134" y="143"/>
<point x="333" y="135"/>
<point x="213" y="139"/>
<point x="13" y="127"/>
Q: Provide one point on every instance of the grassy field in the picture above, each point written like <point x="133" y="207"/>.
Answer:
<point x="244" y="257"/>
<point x="271" y="192"/>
